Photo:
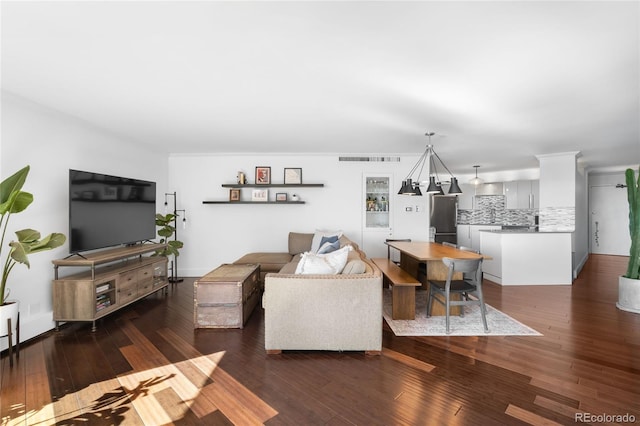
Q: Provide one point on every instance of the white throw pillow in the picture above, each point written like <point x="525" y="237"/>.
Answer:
<point x="330" y="263"/>
<point x="317" y="238"/>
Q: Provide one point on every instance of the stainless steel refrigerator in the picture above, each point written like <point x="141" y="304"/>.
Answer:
<point x="444" y="216"/>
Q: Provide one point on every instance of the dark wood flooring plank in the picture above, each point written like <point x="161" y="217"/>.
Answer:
<point x="586" y="361"/>
<point x="13" y="397"/>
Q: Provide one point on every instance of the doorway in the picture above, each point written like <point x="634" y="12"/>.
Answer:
<point x="609" y="226"/>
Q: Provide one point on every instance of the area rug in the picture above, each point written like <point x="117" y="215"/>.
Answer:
<point x="500" y="324"/>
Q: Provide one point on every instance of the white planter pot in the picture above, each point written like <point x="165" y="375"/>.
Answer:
<point x="9" y="310"/>
<point x="628" y="295"/>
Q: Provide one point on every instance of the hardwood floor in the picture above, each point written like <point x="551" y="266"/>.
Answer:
<point x="147" y="365"/>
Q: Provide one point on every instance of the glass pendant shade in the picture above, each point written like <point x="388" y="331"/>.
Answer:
<point x="476" y="180"/>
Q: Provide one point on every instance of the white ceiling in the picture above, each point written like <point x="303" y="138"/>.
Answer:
<point x="499" y="82"/>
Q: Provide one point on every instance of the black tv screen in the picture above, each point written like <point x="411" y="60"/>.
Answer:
<point x="109" y="210"/>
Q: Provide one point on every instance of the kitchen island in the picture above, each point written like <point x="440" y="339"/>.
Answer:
<point x="527" y="257"/>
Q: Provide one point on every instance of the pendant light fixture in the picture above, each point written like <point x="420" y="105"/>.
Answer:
<point x="476" y="180"/>
<point x="411" y="187"/>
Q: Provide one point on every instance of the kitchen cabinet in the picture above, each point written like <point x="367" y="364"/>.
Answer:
<point x="492" y="188"/>
<point x="465" y="200"/>
<point x="492" y="268"/>
<point x="527" y="258"/>
<point x="535" y="190"/>
<point x="469" y="235"/>
<point x="522" y="194"/>
<point x="464" y="236"/>
<point x="511" y="194"/>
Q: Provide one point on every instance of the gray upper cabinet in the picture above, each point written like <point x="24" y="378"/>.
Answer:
<point x="511" y="194"/>
<point x="465" y="200"/>
<point x="491" y="188"/>
<point x="522" y="194"/>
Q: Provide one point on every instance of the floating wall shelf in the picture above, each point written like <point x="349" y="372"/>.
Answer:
<point x="270" y="185"/>
<point x="253" y="202"/>
<point x="279" y="185"/>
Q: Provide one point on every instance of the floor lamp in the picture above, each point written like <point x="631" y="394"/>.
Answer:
<point x="174" y="268"/>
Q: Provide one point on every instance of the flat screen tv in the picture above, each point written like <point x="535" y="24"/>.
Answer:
<point x="107" y="211"/>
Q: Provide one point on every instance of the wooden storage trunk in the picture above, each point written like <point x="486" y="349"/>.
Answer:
<point x="226" y="296"/>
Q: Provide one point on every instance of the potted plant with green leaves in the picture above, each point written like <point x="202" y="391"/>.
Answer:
<point x="629" y="283"/>
<point x="166" y="223"/>
<point x="14" y="200"/>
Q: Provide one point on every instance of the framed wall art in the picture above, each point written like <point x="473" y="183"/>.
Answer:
<point x="263" y="175"/>
<point x="281" y="196"/>
<point x="292" y="175"/>
<point x="260" y="195"/>
<point x="234" y="194"/>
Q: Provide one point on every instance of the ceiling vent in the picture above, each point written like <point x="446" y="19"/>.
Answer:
<point x="372" y="159"/>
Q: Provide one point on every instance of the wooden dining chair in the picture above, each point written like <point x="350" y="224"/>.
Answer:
<point x="473" y="269"/>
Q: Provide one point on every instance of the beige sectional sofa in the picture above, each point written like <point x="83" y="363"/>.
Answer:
<point x="337" y="311"/>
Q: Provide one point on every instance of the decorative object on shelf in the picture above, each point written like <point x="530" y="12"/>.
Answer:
<point x="263" y="175"/>
<point x="12" y="201"/>
<point x="260" y="195"/>
<point x="242" y="178"/>
<point x="295" y="197"/>
<point x="476" y="180"/>
<point x="234" y="194"/>
<point x="629" y="283"/>
<point x="281" y="196"/>
<point x="168" y="228"/>
<point x="411" y="187"/>
<point x="292" y="175"/>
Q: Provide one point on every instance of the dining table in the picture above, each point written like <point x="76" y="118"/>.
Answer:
<point x="423" y="260"/>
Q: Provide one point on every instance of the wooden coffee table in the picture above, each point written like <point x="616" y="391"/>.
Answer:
<point x="226" y="296"/>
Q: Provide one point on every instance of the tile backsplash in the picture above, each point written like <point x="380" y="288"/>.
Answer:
<point x="491" y="209"/>
<point x="558" y="219"/>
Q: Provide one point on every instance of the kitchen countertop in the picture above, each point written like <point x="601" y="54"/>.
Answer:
<point x="523" y="231"/>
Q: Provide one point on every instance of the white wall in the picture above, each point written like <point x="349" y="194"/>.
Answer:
<point x="557" y="180"/>
<point x="219" y="233"/>
<point x="52" y="143"/>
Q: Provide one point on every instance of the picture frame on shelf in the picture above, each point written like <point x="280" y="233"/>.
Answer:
<point x="260" y="195"/>
<point x="263" y="175"/>
<point x="234" y="194"/>
<point x="292" y="175"/>
<point x="281" y="196"/>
